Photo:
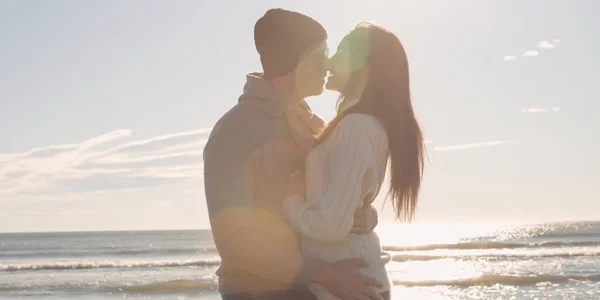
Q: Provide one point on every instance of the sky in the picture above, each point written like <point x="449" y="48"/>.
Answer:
<point x="105" y="105"/>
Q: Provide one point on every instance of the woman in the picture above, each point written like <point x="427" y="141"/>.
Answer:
<point x="346" y="169"/>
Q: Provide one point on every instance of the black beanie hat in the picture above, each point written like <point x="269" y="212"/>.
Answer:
<point x="282" y="37"/>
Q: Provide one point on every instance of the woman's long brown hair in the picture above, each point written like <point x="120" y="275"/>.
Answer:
<point x="386" y="96"/>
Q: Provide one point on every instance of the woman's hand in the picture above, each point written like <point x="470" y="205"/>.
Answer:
<point x="297" y="184"/>
<point x="365" y="219"/>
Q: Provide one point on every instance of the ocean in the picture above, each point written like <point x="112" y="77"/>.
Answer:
<point x="431" y="261"/>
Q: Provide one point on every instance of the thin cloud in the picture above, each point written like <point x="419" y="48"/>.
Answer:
<point x="534" y="110"/>
<point x="546" y="45"/>
<point x="542" y="45"/>
<point x="17" y="174"/>
<point x="72" y="169"/>
<point x="40" y="152"/>
<point x="161" y="142"/>
<point x="540" y="109"/>
<point x="145" y="161"/>
<point x="471" y="146"/>
<point x="107" y="137"/>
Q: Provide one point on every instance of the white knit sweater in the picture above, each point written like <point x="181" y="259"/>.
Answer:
<point x="343" y="173"/>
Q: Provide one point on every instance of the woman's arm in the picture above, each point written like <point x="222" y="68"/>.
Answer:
<point x="332" y="218"/>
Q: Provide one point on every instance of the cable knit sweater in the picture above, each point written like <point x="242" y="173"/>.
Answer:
<point x="343" y="172"/>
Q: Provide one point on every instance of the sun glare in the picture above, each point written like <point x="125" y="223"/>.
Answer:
<point x="427" y="234"/>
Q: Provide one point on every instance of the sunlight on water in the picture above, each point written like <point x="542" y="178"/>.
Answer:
<point x="449" y="233"/>
<point x="399" y="292"/>
<point x="493" y="260"/>
<point x="434" y="273"/>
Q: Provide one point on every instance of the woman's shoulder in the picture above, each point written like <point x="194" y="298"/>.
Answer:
<point x="358" y="117"/>
<point x="354" y="123"/>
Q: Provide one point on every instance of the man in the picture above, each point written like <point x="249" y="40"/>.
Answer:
<point x="248" y="160"/>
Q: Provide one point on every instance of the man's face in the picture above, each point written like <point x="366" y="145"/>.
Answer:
<point x="311" y="71"/>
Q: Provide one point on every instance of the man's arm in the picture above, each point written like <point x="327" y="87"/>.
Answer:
<point x="239" y="229"/>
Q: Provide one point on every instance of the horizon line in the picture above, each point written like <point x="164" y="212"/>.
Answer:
<point x="204" y="229"/>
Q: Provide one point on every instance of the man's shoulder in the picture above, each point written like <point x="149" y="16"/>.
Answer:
<point x="238" y="123"/>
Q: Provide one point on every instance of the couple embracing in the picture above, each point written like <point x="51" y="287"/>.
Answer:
<point x="289" y="195"/>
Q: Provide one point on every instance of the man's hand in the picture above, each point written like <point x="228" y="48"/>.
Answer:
<point x="365" y="220"/>
<point x="343" y="280"/>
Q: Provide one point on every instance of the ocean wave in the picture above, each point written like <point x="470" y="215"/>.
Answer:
<point x="183" y="285"/>
<point x="410" y="257"/>
<point x="164" y="286"/>
<point x="489" y="245"/>
<point x="41" y="288"/>
<point x="106" y="264"/>
<point x="170" y="286"/>
<point x="42" y="252"/>
<point x="489" y="279"/>
<point x="405" y="258"/>
<point x="568" y="234"/>
<point x="166" y="251"/>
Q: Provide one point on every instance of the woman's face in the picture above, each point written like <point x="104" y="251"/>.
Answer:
<point x="349" y="58"/>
